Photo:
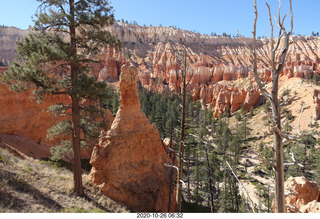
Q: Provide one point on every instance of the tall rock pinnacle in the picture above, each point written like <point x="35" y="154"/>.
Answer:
<point x="128" y="164"/>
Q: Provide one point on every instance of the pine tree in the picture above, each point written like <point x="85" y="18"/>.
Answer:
<point x="57" y="58"/>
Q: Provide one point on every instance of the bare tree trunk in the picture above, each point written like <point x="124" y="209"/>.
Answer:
<point x="278" y="155"/>
<point x="173" y="160"/>
<point x="181" y="141"/>
<point x="188" y="179"/>
<point x="210" y="176"/>
<point x="277" y="66"/>
<point x="77" y="175"/>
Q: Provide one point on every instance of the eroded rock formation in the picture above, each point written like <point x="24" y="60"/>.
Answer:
<point x="128" y="163"/>
<point x="211" y="59"/>
<point x="302" y="191"/>
<point x="316" y="101"/>
<point x="302" y="194"/>
<point x="21" y="115"/>
<point x="311" y="207"/>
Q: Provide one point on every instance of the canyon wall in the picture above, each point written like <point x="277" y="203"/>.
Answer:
<point x="219" y="68"/>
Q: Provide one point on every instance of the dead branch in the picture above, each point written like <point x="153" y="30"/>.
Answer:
<point x="171" y="166"/>
<point x="254" y="55"/>
<point x="294" y="208"/>
<point x="287" y="101"/>
<point x="290" y="192"/>
<point x="252" y="203"/>
<point x="294" y="161"/>
<point x="261" y="158"/>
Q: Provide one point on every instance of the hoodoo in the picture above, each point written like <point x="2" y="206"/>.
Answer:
<point x="128" y="164"/>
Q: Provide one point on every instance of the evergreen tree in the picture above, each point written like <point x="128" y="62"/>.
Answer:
<point x="56" y="59"/>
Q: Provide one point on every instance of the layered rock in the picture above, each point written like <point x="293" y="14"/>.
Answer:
<point x="252" y="97"/>
<point x="302" y="191"/>
<point x="156" y="51"/>
<point x="302" y="194"/>
<point x="232" y="97"/>
<point x="20" y="115"/>
<point x="128" y="163"/>
<point x="110" y="66"/>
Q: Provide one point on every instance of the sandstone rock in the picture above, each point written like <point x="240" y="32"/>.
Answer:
<point x="311" y="207"/>
<point x="22" y="116"/>
<point x="195" y="93"/>
<point x="316" y="101"/>
<point x="204" y="74"/>
<point x="111" y="70"/>
<point x="166" y="143"/>
<point x="303" y="191"/>
<point x="252" y="98"/>
<point x="144" y="78"/>
<point x="218" y="73"/>
<point x="173" y="80"/>
<point x="237" y="98"/>
<point x="128" y="163"/>
<point x="223" y="101"/>
<point x="215" y="92"/>
<point x="211" y="59"/>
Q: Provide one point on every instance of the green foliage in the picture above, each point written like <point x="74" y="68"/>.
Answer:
<point x="286" y="92"/>
<point x="61" y="128"/>
<point x="64" y="148"/>
<point x="57" y="59"/>
<point x="265" y="198"/>
<point x="163" y="110"/>
<point x="266" y="106"/>
<point x="193" y="208"/>
<point x="74" y="209"/>
<point x="97" y="210"/>
<point x="305" y="153"/>
<point x="251" y="112"/>
<point x="56" y="164"/>
<point x="5" y="159"/>
<point x="27" y="169"/>
<point x="112" y="102"/>
<point x="316" y="78"/>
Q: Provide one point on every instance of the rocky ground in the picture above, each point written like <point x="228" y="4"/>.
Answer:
<point x="29" y="185"/>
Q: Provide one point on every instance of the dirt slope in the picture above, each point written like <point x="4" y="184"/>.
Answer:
<point x="29" y="185"/>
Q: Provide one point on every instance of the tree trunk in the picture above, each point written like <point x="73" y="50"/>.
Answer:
<point x="279" y="174"/>
<point x="77" y="175"/>
<point x="181" y="142"/>
<point x="278" y="147"/>
<point x="188" y="180"/>
<point x="210" y="176"/>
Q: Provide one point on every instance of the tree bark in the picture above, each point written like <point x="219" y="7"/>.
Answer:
<point x="77" y="175"/>
<point x="278" y="152"/>
<point x="181" y="142"/>
<point x="277" y="66"/>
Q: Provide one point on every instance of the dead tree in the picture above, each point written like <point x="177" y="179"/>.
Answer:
<point x="182" y="134"/>
<point x="277" y="61"/>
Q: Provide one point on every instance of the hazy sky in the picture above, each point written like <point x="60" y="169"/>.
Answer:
<point x="204" y="16"/>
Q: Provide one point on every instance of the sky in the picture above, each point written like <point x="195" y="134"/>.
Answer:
<point x="203" y="16"/>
